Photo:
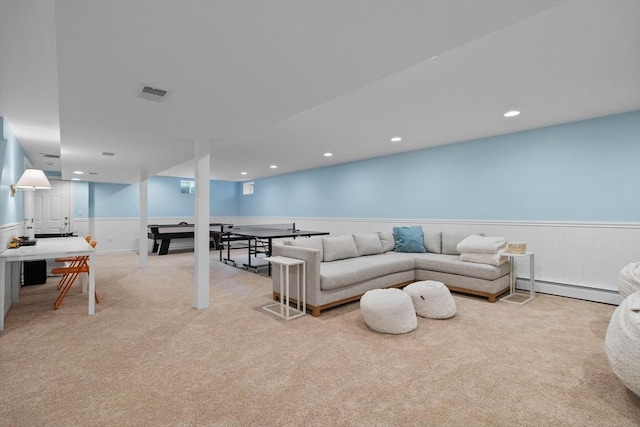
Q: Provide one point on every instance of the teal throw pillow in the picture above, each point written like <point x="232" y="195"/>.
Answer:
<point x="409" y="239"/>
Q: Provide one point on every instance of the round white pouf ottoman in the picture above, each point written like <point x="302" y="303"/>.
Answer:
<point x="623" y="342"/>
<point x="431" y="299"/>
<point x="629" y="279"/>
<point x="389" y="311"/>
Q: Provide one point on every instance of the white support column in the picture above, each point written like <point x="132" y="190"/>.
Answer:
<point x="92" y="212"/>
<point x="201" y="231"/>
<point x="143" y="247"/>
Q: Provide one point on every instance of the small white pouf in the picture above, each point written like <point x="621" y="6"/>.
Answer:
<point x="431" y="299"/>
<point x="629" y="279"/>
<point x="623" y="342"/>
<point x="389" y="311"/>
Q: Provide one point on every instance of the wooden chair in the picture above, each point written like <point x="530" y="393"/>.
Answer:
<point x="72" y="260"/>
<point x="77" y="266"/>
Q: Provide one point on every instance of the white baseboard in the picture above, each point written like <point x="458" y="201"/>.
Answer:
<point x="573" y="291"/>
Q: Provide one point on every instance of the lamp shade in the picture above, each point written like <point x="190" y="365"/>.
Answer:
<point x="33" y="179"/>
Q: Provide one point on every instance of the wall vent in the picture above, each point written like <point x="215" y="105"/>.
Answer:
<point x="152" y="93"/>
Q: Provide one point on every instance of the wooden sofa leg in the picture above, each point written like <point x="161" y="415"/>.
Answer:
<point x="492" y="298"/>
<point x="315" y="312"/>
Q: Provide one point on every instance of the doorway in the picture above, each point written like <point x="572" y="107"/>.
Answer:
<point x="52" y="209"/>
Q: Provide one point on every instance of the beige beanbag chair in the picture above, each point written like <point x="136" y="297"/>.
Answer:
<point x="622" y="342"/>
<point x="629" y="279"/>
<point x="389" y="311"/>
<point x="431" y="299"/>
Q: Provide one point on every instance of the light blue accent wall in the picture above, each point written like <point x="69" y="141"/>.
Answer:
<point x="11" y="167"/>
<point x="165" y="199"/>
<point x="104" y="200"/>
<point x="80" y="192"/>
<point x="224" y="198"/>
<point x="580" y="171"/>
<point x="113" y="200"/>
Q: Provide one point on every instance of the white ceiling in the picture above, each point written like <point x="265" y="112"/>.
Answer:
<point x="281" y="82"/>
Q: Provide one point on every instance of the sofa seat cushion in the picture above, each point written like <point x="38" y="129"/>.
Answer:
<point x="451" y="264"/>
<point x="341" y="273"/>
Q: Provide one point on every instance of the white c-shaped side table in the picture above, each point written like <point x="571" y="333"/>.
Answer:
<point x="282" y="308"/>
<point x="514" y="296"/>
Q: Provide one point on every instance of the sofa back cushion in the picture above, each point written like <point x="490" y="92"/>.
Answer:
<point x="311" y="243"/>
<point x="340" y="247"/>
<point x="433" y="241"/>
<point x="368" y="244"/>
<point x="450" y="240"/>
<point x="409" y="239"/>
<point x="387" y="240"/>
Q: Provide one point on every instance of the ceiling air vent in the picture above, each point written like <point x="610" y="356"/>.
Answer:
<point x="50" y="156"/>
<point x="152" y="94"/>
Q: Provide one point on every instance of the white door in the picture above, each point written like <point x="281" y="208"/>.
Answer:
<point x="52" y="208"/>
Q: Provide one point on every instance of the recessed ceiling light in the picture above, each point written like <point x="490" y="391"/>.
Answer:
<point x="78" y="172"/>
<point x="75" y="179"/>
<point x="396" y="139"/>
<point x="512" y="113"/>
<point x="274" y="166"/>
<point x="328" y="154"/>
<point x="243" y="173"/>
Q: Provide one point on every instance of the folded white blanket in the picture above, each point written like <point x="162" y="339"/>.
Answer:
<point x="492" y="259"/>
<point x="481" y="244"/>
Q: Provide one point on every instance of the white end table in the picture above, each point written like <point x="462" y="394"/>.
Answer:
<point x="514" y="296"/>
<point x="282" y="308"/>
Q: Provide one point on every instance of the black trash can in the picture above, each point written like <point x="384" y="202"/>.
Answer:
<point x="35" y="272"/>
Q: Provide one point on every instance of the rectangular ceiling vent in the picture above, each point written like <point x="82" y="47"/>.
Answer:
<point x="152" y="94"/>
<point x="50" y="156"/>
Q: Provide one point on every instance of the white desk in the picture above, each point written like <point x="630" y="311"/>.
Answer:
<point x="282" y="308"/>
<point x="10" y="263"/>
<point x="515" y="297"/>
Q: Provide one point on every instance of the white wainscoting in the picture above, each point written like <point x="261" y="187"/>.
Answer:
<point x="579" y="260"/>
<point x="8" y="231"/>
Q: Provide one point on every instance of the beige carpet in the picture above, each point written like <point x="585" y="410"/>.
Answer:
<point x="148" y="358"/>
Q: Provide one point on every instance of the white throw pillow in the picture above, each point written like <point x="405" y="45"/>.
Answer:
<point x="388" y="240"/>
<point x="311" y="243"/>
<point x="340" y="247"/>
<point x="433" y="241"/>
<point x="368" y="244"/>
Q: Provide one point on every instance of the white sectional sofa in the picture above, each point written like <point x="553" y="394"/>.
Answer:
<point x="341" y="269"/>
